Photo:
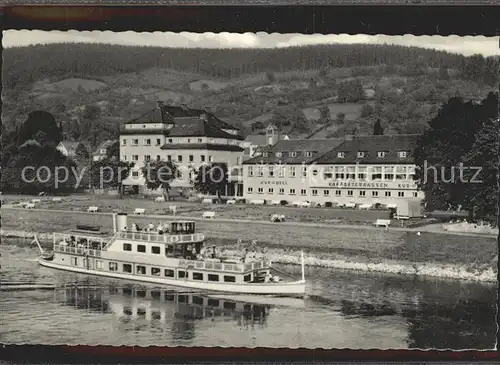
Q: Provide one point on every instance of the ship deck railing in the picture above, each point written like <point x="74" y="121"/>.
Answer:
<point x="224" y="266"/>
<point x="166" y="238"/>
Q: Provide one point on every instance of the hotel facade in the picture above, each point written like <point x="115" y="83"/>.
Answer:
<point x="360" y="170"/>
<point x="187" y="137"/>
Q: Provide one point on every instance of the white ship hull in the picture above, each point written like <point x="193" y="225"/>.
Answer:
<point x="294" y="288"/>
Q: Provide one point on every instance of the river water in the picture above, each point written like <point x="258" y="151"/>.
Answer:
<point x="343" y="310"/>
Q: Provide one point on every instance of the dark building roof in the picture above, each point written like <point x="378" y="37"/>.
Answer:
<point x="196" y="127"/>
<point x="295" y="151"/>
<point x="370" y="146"/>
<point x="187" y="122"/>
<point x="166" y="113"/>
<point x="206" y="146"/>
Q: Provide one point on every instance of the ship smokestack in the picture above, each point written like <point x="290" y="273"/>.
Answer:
<point x="121" y="222"/>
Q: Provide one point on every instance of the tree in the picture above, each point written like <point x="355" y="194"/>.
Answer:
<point x="377" y="128"/>
<point x="159" y="175"/>
<point x="351" y="92"/>
<point x="35" y="168"/>
<point x="82" y="153"/>
<point x="452" y="141"/>
<point x="340" y="118"/>
<point x="40" y="124"/>
<point x="324" y="113"/>
<point x="109" y="173"/>
<point x="484" y="160"/>
<point x="443" y="73"/>
<point x="212" y="179"/>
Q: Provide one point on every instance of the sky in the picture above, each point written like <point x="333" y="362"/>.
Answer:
<point x="487" y="46"/>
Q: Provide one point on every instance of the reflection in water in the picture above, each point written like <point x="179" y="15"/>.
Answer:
<point x="143" y="308"/>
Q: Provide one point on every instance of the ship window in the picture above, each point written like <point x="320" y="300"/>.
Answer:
<point x="141" y="312"/>
<point x="156" y="315"/>
<point x="182" y="274"/>
<point x="155" y="271"/>
<point x="169" y="250"/>
<point x="229" y="279"/>
<point x="197" y="276"/>
<point x="98" y="264"/>
<point x="169" y="273"/>
<point x="155" y="249"/>
<point x="113" y="266"/>
<point x="182" y="298"/>
<point x="127" y="247"/>
<point x="197" y="300"/>
<point x="247" y="277"/>
<point x="127" y="268"/>
<point x="127" y="291"/>
<point x="140" y="293"/>
<point x="139" y="269"/>
<point x="229" y="305"/>
<point x="127" y="311"/>
<point x="212" y="302"/>
<point x="169" y="297"/>
<point x="74" y="261"/>
<point x="155" y="293"/>
<point x="213" y="277"/>
<point x="141" y="248"/>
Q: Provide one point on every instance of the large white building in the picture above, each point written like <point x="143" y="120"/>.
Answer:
<point x="188" y="137"/>
<point x="362" y="170"/>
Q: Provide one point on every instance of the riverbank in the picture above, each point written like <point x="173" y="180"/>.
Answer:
<point x="397" y="251"/>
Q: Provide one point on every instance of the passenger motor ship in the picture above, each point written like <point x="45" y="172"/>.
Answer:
<point x="170" y="255"/>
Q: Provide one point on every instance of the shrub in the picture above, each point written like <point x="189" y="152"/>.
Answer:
<point x="283" y="202"/>
<point x="328" y="204"/>
<point x="378" y="206"/>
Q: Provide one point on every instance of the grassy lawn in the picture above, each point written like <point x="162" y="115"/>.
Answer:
<point x="325" y="243"/>
<point x="192" y="209"/>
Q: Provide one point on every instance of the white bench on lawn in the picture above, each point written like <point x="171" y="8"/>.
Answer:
<point x="257" y="202"/>
<point x="275" y="202"/>
<point x="230" y="202"/>
<point x="92" y="209"/>
<point x="30" y="206"/>
<point x="57" y="199"/>
<point x="34" y="201"/>
<point x="139" y="211"/>
<point x="160" y="199"/>
<point x="207" y="201"/>
<point x="365" y="206"/>
<point x="382" y="223"/>
<point x="208" y="215"/>
<point x="350" y="205"/>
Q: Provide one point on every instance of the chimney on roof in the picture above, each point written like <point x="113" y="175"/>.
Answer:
<point x="184" y="107"/>
<point x="207" y="109"/>
<point x="203" y="116"/>
<point x="160" y="103"/>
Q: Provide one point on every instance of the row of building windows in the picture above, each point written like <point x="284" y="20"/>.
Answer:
<point x="326" y="192"/>
<point x="341" y="154"/>
<point x="156" y="271"/>
<point x="338" y="172"/>
<point x="148" y="141"/>
<point x="148" y="158"/>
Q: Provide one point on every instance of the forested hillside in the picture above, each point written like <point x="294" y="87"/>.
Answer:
<point x="320" y="91"/>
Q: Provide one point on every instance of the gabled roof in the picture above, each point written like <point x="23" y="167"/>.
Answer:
<point x="370" y="146"/>
<point x="196" y="127"/>
<point x="70" y="146"/>
<point x="316" y="148"/>
<point x="166" y="113"/>
<point x="179" y="111"/>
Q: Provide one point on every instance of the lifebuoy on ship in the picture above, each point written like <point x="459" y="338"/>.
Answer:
<point x="174" y="239"/>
